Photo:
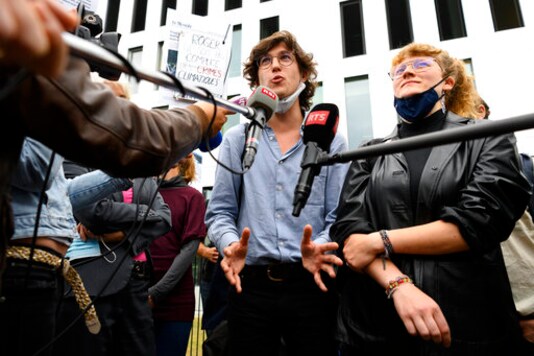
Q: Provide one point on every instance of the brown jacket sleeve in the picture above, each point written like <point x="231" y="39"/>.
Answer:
<point x="85" y="122"/>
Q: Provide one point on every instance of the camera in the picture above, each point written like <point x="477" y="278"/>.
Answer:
<point x="91" y="29"/>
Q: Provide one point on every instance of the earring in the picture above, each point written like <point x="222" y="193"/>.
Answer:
<point x="443" y="108"/>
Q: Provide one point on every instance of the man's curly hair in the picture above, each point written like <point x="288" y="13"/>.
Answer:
<point x="305" y="61"/>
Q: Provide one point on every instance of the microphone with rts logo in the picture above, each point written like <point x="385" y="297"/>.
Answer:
<point x="264" y="102"/>
<point x="320" y="129"/>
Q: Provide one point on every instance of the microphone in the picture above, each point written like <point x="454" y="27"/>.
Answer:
<point x="319" y="131"/>
<point x="264" y="102"/>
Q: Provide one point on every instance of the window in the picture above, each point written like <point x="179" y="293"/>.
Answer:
<point x="318" y="96"/>
<point x="135" y="56"/>
<point x="112" y="16"/>
<point x="358" y="103"/>
<point x="164" y="6"/>
<point x="200" y="7"/>
<point x="352" y="27"/>
<point x="235" y="61"/>
<point x="159" y="58"/>
<point x="159" y="61"/>
<point x="139" y="15"/>
<point x="450" y="19"/>
<point x="399" y="23"/>
<point x="506" y="14"/>
<point x="232" y="4"/>
<point x="468" y="64"/>
<point x="269" y="26"/>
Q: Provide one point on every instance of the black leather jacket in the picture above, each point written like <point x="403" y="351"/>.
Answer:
<point x="477" y="185"/>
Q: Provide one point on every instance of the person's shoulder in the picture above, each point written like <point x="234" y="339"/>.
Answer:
<point x="457" y="120"/>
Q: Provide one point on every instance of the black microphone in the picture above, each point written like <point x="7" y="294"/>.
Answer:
<point x="319" y="131"/>
<point x="264" y="102"/>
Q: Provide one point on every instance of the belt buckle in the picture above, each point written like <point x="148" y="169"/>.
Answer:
<point x="140" y="269"/>
<point x="271" y="277"/>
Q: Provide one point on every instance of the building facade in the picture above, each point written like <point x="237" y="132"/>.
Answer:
<point x="353" y="42"/>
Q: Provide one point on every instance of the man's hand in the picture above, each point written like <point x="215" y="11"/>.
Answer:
<point x="220" y="118"/>
<point x="527" y="326"/>
<point x="113" y="237"/>
<point x="315" y="259"/>
<point x="30" y="35"/>
<point x="234" y="259"/>
<point x="86" y="234"/>
<point x="421" y="315"/>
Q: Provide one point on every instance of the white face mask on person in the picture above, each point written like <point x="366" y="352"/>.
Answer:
<point x="286" y="103"/>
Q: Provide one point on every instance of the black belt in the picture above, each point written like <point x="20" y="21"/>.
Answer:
<point x="276" y="272"/>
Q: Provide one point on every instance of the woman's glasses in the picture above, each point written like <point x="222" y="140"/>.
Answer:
<point x="418" y="65"/>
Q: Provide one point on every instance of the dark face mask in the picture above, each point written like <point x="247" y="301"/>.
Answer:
<point x="417" y="106"/>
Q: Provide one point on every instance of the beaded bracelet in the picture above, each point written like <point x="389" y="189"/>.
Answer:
<point x="394" y="283"/>
<point x="388" y="247"/>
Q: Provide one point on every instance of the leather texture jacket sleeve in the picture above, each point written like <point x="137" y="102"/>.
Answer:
<point x="84" y="121"/>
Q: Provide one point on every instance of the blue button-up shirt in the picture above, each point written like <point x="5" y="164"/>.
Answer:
<point x="267" y="199"/>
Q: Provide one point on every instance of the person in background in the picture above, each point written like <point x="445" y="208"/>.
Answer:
<point x="421" y="230"/>
<point x="518" y="253"/>
<point x="123" y="224"/>
<point x="208" y="253"/>
<point x="277" y="263"/>
<point x="482" y="109"/>
<point x="172" y="295"/>
<point x="42" y="201"/>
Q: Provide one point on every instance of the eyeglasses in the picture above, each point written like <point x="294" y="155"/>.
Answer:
<point x="418" y="65"/>
<point x="285" y="59"/>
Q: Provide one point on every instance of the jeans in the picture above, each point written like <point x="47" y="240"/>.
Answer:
<point x="172" y="337"/>
<point x="28" y="308"/>
<point x="93" y="186"/>
<point x="127" y="325"/>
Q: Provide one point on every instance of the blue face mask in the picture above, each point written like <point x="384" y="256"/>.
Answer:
<point x="417" y="106"/>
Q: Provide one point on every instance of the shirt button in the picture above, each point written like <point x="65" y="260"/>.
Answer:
<point x="278" y="215"/>
<point x="281" y="162"/>
<point x="278" y="187"/>
<point x="271" y="138"/>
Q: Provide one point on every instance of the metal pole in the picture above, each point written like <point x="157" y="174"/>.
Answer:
<point x="469" y="132"/>
<point x="90" y="51"/>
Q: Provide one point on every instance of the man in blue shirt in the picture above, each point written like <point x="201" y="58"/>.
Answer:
<point x="279" y="267"/>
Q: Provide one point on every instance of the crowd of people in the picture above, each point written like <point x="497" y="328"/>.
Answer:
<point x="421" y="252"/>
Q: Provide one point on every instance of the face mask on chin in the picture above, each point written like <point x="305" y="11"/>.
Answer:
<point x="417" y="106"/>
<point x="286" y="103"/>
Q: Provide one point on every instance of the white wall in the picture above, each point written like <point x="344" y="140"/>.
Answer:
<point x="503" y="61"/>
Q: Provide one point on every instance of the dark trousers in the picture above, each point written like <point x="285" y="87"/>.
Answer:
<point x="126" y="319"/>
<point x="28" y="308"/>
<point x="284" y="305"/>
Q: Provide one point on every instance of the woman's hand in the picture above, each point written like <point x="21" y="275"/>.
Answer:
<point x="421" y="315"/>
